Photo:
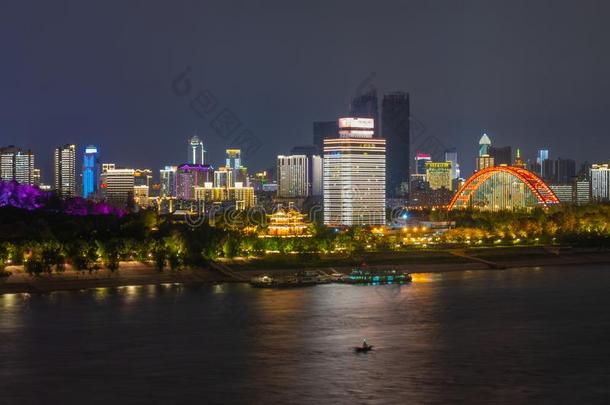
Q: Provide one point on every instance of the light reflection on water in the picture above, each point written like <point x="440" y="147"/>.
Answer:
<point x="510" y="336"/>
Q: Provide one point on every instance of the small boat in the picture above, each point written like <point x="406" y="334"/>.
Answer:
<point x="363" y="349"/>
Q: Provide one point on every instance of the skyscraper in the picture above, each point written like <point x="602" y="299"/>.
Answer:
<point x="118" y="186"/>
<point x="17" y="165"/>
<point x="367" y="106"/>
<point x="395" y="128"/>
<point x="565" y="170"/>
<point x="91" y="171"/>
<point x="420" y="162"/>
<point x="503" y="155"/>
<point x="543" y="154"/>
<point x="323" y="130"/>
<point x="196" y="151"/>
<point x="452" y="156"/>
<point x="354" y="175"/>
<point x="64" y="168"/>
<point x="600" y="182"/>
<point x="484" y="160"/>
<point x="167" y="178"/>
<point x="293" y="176"/>
<point x="234" y="163"/>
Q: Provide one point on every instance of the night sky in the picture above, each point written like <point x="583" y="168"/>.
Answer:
<point x="529" y="73"/>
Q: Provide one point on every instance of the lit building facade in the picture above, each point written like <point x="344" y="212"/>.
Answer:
<point x="438" y="175"/>
<point x="293" y="176"/>
<point x="420" y="162"/>
<point x="64" y="169"/>
<point x="243" y="197"/>
<point x="484" y="160"/>
<point x="167" y="177"/>
<point x="564" y="192"/>
<point x="452" y="156"/>
<point x="17" y="165"/>
<point x="117" y="186"/>
<point x="91" y="171"/>
<point x="190" y="176"/>
<point x="354" y="175"/>
<point x="600" y="182"/>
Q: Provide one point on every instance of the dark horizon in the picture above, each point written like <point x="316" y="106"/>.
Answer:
<point x="530" y="75"/>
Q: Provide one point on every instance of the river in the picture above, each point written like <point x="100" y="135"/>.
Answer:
<point x="526" y="335"/>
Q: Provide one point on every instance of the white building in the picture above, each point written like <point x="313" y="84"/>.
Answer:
<point x="600" y="182"/>
<point x="582" y="192"/>
<point x="293" y="176"/>
<point x="64" y="168"/>
<point x="17" y="165"/>
<point x="168" y="177"/>
<point x="118" y="185"/>
<point x="196" y="151"/>
<point x="354" y="175"/>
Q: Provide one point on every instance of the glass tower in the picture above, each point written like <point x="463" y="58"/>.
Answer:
<point x="91" y="171"/>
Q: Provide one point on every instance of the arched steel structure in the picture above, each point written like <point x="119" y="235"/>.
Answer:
<point x="512" y="186"/>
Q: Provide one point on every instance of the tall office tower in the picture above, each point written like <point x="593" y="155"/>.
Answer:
<point x="37" y="177"/>
<point x="548" y="170"/>
<point x="600" y="182"/>
<point x="293" y="176"/>
<point x="354" y="175"/>
<point x="395" y="126"/>
<point x="118" y="186"/>
<point x="420" y="162"/>
<point x="315" y="167"/>
<point x="565" y="170"/>
<point x="484" y="160"/>
<point x="452" y="156"/>
<point x="543" y="154"/>
<point x="502" y="155"/>
<point x="223" y="177"/>
<point x="367" y="106"/>
<point x="234" y="163"/>
<point x="167" y="178"/>
<point x="582" y="191"/>
<point x="191" y="176"/>
<point x="17" y="165"/>
<point x="91" y="171"/>
<point x="64" y="168"/>
<point x="196" y="151"/>
<point x="323" y="130"/>
<point x="519" y="160"/>
<point x="438" y="175"/>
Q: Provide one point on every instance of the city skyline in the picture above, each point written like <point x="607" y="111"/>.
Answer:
<point x="457" y="91"/>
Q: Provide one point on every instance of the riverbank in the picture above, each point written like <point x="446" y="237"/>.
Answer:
<point x="433" y="261"/>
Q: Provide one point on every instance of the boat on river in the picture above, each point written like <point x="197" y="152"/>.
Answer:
<point x="377" y="276"/>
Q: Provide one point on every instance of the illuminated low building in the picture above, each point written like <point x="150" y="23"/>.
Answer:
<point x="438" y="175"/>
<point x="287" y="222"/>
<point x="242" y="196"/>
<point x="504" y="188"/>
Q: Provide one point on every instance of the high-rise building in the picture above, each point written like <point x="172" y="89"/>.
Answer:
<point x="452" y="156"/>
<point x="190" y="176"/>
<point x="420" y="162"/>
<point x="600" y="182"/>
<point x="564" y="171"/>
<point x="167" y="178"/>
<point x="234" y="163"/>
<point x="582" y="191"/>
<point x="367" y="106"/>
<point x="316" y="168"/>
<point x="323" y="130"/>
<point x="117" y="186"/>
<point x="196" y="155"/>
<point x="438" y="175"/>
<point x="484" y="160"/>
<point x="64" y="168"/>
<point x="91" y="171"/>
<point x="503" y="155"/>
<point x="354" y="175"/>
<point x="543" y="154"/>
<point x="293" y="176"/>
<point x="395" y="128"/>
<point x="17" y="165"/>
<point x="565" y="192"/>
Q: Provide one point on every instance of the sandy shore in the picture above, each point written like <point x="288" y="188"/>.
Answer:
<point x="140" y="274"/>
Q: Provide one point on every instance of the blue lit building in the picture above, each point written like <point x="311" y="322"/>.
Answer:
<point x="91" y="171"/>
